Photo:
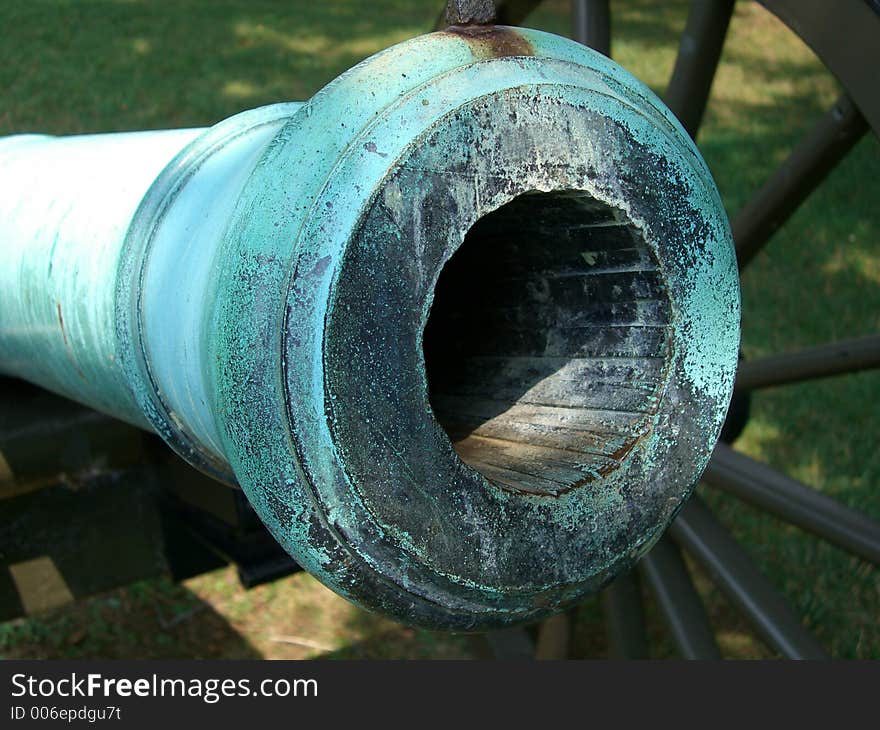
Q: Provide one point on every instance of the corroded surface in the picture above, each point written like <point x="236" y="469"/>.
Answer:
<point x="467" y="12"/>
<point x="356" y="476"/>
<point x="463" y="326"/>
<point x="492" y="41"/>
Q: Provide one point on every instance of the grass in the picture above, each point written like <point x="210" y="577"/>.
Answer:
<point x="102" y="65"/>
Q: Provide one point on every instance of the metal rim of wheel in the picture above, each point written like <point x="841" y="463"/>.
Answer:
<point x="697" y="532"/>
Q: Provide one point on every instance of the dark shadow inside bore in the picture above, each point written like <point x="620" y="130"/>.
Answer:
<point x="544" y="348"/>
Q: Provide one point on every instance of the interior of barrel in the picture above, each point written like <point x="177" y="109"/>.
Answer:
<point x="546" y="344"/>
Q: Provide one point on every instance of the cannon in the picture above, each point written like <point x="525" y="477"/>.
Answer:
<point x="463" y="326"/>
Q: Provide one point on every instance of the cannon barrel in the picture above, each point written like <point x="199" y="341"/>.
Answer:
<point x="463" y="326"/>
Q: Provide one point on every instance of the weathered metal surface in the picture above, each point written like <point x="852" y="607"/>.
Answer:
<point x="469" y="12"/>
<point x="463" y="327"/>
<point x="504" y="12"/>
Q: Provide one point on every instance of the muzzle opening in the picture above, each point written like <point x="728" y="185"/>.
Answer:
<point x="546" y="344"/>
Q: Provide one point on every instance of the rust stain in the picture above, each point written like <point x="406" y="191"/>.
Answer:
<point x="492" y="41"/>
<point x="618" y="455"/>
<point x="66" y="342"/>
<point x="621" y="453"/>
<point x="61" y="322"/>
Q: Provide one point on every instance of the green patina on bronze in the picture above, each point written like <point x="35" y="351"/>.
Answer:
<point x="372" y="496"/>
<point x="470" y="331"/>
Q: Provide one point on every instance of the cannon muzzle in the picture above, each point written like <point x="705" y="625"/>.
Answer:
<point x="463" y="326"/>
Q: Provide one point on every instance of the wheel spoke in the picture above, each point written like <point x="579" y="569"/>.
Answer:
<point x="665" y="572"/>
<point x="809" y="163"/>
<point x="698" y="531"/>
<point x="843" y="35"/>
<point x="591" y="23"/>
<point x="698" y="55"/>
<point x="554" y="637"/>
<point x="514" y="12"/>
<point x="512" y="643"/>
<point x="625" y="618"/>
<point x="836" y="358"/>
<point x="794" y="502"/>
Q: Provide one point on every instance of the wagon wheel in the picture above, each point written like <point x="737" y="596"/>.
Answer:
<point x="843" y="36"/>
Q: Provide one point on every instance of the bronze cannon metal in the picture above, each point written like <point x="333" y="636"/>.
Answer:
<point x="463" y="326"/>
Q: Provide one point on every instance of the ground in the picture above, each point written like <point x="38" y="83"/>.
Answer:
<point x="103" y="65"/>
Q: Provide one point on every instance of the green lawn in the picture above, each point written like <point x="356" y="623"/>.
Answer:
<point x="101" y="65"/>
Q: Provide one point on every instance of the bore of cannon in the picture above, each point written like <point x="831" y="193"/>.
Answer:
<point x="463" y="326"/>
